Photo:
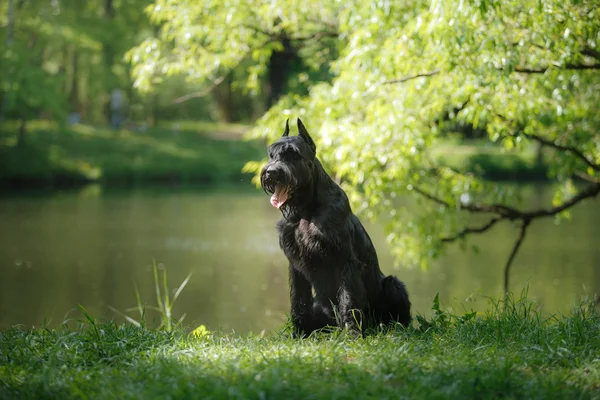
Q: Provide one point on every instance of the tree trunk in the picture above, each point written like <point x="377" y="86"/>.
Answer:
<point x="10" y="14"/>
<point x="224" y="100"/>
<point x="9" y="37"/>
<point x="22" y="130"/>
<point x="108" y="55"/>
<point x="279" y="69"/>
<point x="154" y="110"/>
<point x="74" y="87"/>
<point x="539" y="159"/>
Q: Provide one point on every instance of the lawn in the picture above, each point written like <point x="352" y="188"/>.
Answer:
<point x="518" y="354"/>
<point x="174" y="153"/>
<point x="491" y="160"/>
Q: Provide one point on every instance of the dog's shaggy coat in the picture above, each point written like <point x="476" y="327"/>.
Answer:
<point x="335" y="278"/>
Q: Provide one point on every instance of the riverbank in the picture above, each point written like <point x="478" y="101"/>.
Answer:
<point x="518" y="353"/>
<point x="190" y="152"/>
<point x="182" y="154"/>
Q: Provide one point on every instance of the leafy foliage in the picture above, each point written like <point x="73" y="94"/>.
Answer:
<point x="64" y="56"/>
<point x="519" y="70"/>
<point x="205" y="40"/>
<point x="28" y="85"/>
<point x="407" y="74"/>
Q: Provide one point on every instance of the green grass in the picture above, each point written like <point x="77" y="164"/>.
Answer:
<point x="52" y="156"/>
<point x="518" y="354"/>
<point x="491" y="160"/>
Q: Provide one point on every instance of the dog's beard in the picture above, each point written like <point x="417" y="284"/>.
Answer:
<point x="280" y="196"/>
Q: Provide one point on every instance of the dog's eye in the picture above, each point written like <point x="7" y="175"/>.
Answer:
<point x="293" y="155"/>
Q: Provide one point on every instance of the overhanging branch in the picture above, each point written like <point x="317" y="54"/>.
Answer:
<point x="468" y="231"/>
<point x="201" y="93"/>
<point x="590" y="191"/>
<point x="316" y="36"/>
<point x="410" y="77"/>
<point x="541" y="70"/>
<point x="546" y="142"/>
<point x="504" y="211"/>
<point x="518" y="68"/>
<point x="557" y="146"/>
<point x="586" y="177"/>
<point x="217" y="81"/>
<point x="508" y="213"/>
<point x="588" y="51"/>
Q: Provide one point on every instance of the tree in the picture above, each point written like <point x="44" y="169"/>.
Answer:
<point x="525" y="71"/>
<point x="259" y="48"/>
<point x="29" y="85"/>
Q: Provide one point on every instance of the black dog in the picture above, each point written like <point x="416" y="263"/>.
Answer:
<point x="328" y="249"/>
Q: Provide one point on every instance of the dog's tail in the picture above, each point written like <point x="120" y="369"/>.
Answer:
<point x="394" y="304"/>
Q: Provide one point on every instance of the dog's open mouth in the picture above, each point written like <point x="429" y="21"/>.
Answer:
<point x="280" y="196"/>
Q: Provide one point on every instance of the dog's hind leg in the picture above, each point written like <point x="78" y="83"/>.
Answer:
<point x="393" y="303"/>
<point x="352" y="297"/>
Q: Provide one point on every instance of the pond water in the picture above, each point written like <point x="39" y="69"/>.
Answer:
<point x="91" y="247"/>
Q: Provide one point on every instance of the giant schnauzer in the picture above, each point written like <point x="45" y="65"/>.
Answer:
<point x="335" y="278"/>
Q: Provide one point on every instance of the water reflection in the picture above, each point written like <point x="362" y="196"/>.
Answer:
<point x="89" y="247"/>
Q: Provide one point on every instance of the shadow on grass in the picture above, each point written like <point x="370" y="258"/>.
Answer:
<point x="85" y="154"/>
<point x="322" y="370"/>
<point x="492" y="161"/>
<point x="506" y="167"/>
<point x="510" y="352"/>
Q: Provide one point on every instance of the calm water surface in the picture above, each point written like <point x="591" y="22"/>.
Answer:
<point x="89" y="247"/>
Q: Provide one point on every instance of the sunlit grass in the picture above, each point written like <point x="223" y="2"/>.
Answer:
<point x="517" y="353"/>
<point x="177" y="154"/>
<point x="164" y="302"/>
<point x="491" y="160"/>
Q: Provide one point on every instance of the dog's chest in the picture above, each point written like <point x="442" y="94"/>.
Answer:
<point x="302" y="240"/>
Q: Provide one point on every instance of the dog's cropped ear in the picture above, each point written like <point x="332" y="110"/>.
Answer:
<point x="303" y="133"/>
<point x="287" y="128"/>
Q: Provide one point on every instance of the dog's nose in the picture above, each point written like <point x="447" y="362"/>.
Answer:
<point x="271" y="172"/>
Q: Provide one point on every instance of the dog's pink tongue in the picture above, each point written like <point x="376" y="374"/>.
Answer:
<point x="280" y="196"/>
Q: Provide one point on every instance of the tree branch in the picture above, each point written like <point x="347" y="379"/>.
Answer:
<point x="504" y="211"/>
<point x="468" y="231"/>
<point x="578" y="153"/>
<point x="588" y="51"/>
<point x="527" y="70"/>
<point x="519" y="68"/>
<point x="446" y="115"/>
<point x="590" y="191"/>
<point x="256" y="29"/>
<point x="201" y="93"/>
<point x="511" y="258"/>
<point x="509" y="213"/>
<point x="216" y="82"/>
<point x="315" y="36"/>
<point x="586" y="177"/>
<point x="410" y="77"/>
<point x="571" y="149"/>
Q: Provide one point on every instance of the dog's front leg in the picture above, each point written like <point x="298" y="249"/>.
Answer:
<point x="302" y="303"/>
<point x="352" y="298"/>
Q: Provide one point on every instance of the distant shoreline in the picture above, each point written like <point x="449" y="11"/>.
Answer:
<point x="191" y="153"/>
